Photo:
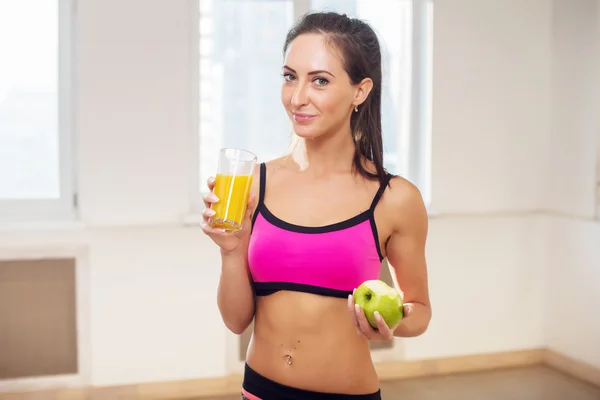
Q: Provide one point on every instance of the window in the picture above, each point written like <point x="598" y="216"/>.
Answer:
<point x="35" y="148"/>
<point x="240" y="46"/>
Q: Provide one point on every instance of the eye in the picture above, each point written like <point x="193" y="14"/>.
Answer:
<point x="288" y="77"/>
<point x="321" y="81"/>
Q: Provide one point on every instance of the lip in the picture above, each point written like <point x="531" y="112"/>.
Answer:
<point x="300" y="117"/>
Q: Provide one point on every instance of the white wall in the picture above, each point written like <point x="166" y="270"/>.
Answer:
<point x="572" y="322"/>
<point x="134" y="128"/>
<point x="571" y="164"/>
<point x="152" y="288"/>
<point x="573" y="325"/>
<point x="491" y="116"/>
<point x="491" y="113"/>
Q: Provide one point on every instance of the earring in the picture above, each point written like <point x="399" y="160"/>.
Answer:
<point x="355" y="108"/>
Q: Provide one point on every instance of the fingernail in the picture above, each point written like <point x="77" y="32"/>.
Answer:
<point x="357" y="307"/>
<point x="210" y="212"/>
<point x="377" y="316"/>
<point x="213" y="198"/>
<point x="211" y="180"/>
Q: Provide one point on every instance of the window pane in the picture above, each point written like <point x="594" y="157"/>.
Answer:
<point x="391" y="21"/>
<point x="29" y="134"/>
<point x="240" y="79"/>
<point x="240" y="75"/>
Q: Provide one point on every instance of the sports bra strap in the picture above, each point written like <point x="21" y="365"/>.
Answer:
<point x="379" y="193"/>
<point x="262" y="183"/>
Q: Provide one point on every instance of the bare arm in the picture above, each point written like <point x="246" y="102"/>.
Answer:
<point x="405" y="250"/>
<point x="406" y="255"/>
<point x="235" y="296"/>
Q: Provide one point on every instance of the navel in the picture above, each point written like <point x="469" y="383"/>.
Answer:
<point x="288" y="359"/>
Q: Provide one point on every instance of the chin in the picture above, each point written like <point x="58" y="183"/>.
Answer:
<point x="307" y="132"/>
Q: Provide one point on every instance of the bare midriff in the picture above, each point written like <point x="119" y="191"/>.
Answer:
<point x="308" y="341"/>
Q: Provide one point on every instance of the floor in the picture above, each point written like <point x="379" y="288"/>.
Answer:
<point x="535" y="383"/>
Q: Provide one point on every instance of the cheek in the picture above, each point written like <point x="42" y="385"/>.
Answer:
<point x="286" y="95"/>
<point x="332" y="105"/>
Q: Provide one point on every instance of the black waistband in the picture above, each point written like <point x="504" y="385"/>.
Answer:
<point x="267" y="389"/>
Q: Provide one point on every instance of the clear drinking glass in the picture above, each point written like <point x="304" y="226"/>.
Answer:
<point x="232" y="187"/>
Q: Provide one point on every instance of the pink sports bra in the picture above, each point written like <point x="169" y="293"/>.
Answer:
<point x="329" y="260"/>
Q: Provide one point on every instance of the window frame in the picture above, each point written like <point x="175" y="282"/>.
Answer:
<point x="19" y="212"/>
<point x="597" y="191"/>
<point x="418" y="168"/>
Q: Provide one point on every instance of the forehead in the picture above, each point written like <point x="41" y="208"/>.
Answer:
<point x="309" y="52"/>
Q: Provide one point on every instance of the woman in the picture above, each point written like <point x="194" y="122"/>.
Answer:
<point x="320" y="221"/>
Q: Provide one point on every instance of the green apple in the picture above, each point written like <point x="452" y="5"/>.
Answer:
<point x="375" y="295"/>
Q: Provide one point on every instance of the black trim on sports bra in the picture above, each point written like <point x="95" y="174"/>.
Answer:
<point x="379" y="193"/>
<point x="350" y="222"/>
<point x="267" y="288"/>
<point x="262" y="183"/>
<point x="374" y="203"/>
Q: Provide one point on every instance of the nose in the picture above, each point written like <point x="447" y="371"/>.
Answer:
<point x="300" y="96"/>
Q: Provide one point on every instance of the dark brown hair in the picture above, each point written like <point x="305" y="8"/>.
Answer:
<point x="361" y="56"/>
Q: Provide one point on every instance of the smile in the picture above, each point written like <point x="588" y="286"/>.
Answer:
<point x="303" y="117"/>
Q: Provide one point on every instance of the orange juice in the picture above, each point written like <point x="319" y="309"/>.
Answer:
<point x="233" y="192"/>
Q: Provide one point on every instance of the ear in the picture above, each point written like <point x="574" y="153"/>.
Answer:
<point x="362" y="91"/>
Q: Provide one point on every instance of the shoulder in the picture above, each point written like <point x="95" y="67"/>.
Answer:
<point x="270" y="167"/>
<point x="276" y="163"/>
<point x="404" y="206"/>
<point x="275" y="166"/>
<point x="269" y="164"/>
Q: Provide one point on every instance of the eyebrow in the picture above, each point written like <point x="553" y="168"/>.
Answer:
<point x="320" y="71"/>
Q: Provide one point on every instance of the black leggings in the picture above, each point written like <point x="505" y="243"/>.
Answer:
<point x="256" y="386"/>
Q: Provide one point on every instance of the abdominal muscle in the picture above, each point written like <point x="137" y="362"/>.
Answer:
<point x="308" y="342"/>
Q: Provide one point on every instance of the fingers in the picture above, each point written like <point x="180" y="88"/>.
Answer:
<point x="364" y="326"/>
<point x="352" y="312"/>
<point x="206" y="228"/>
<point x="215" y="232"/>
<point x="209" y="199"/>
<point x="382" y="327"/>
<point x="208" y="213"/>
<point x="211" y="183"/>
<point x="361" y="323"/>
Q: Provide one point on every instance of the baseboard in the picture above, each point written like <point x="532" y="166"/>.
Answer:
<point x="209" y="388"/>
<point x="458" y="364"/>
<point x="570" y="366"/>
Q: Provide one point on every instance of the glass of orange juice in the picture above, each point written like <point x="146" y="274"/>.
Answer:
<point x="232" y="186"/>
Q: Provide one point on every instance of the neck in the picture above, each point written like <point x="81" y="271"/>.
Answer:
<point x="325" y="155"/>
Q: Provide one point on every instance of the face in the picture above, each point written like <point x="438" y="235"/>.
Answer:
<point x="317" y="93"/>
